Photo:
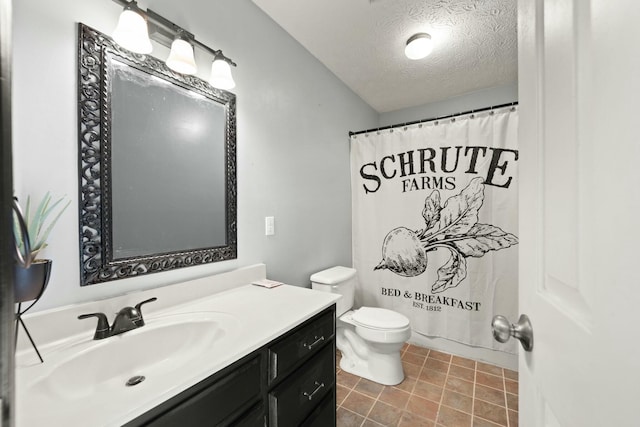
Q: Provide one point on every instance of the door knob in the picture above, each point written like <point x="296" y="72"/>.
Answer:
<point x="503" y="330"/>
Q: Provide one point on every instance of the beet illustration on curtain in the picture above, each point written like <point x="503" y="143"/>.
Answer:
<point x="434" y="220"/>
<point x="453" y="226"/>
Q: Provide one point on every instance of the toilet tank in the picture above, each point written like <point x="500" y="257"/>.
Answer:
<point x="337" y="280"/>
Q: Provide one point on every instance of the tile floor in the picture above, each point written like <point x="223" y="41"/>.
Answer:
<point x="439" y="390"/>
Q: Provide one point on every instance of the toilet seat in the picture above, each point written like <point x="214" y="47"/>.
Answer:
<point x="379" y="325"/>
<point x="379" y="319"/>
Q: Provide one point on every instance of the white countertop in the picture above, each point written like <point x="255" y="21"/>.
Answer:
<point x="260" y="316"/>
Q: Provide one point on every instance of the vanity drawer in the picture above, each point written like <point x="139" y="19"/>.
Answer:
<point x="295" y="398"/>
<point x="325" y="414"/>
<point x="300" y="344"/>
<point x="220" y="403"/>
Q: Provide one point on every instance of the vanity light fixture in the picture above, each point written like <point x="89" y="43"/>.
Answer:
<point x="221" y="74"/>
<point x="418" y="46"/>
<point x="132" y="32"/>
<point x="139" y="26"/>
<point x="181" y="59"/>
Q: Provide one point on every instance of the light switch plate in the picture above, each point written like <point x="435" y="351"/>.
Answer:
<point x="269" y="226"/>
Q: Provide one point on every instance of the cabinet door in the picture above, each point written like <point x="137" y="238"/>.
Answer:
<point x="325" y="414"/>
<point x="296" y="397"/>
<point x="219" y="404"/>
<point x="254" y="418"/>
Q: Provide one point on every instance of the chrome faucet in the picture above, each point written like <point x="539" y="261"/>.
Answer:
<point x="127" y="319"/>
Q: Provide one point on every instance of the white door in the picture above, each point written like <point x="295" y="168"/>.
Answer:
<point x="579" y="93"/>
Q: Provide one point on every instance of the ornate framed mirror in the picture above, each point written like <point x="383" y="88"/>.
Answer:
<point x="157" y="162"/>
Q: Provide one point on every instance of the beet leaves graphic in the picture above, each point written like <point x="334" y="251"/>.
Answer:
<point x="453" y="226"/>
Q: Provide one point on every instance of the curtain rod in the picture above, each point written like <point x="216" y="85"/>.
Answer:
<point x="415" y="122"/>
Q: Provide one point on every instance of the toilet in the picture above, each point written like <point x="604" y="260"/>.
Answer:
<point x="369" y="338"/>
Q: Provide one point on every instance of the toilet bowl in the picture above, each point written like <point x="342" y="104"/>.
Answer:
<point x="369" y="338"/>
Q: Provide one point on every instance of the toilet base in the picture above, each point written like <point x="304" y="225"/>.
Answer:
<point x="365" y="360"/>
<point x="385" y="369"/>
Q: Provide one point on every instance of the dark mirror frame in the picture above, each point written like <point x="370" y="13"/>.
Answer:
<point x="94" y="130"/>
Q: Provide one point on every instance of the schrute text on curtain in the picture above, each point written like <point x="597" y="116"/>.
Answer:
<point x="428" y="168"/>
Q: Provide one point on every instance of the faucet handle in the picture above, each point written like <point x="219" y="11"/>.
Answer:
<point x="138" y="309"/>
<point x="102" y="329"/>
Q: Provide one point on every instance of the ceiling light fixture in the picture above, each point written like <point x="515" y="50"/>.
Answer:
<point x="418" y="46"/>
<point x="136" y="27"/>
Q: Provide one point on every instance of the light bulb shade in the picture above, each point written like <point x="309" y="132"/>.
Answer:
<point x="181" y="59"/>
<point x="418" y="46"/>
<point x="132" y="33"/>
<point x="221" y="75"/>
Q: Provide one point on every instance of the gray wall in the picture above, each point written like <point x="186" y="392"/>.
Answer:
<point x="293" y="148"/>
<point x="458" y="104"/>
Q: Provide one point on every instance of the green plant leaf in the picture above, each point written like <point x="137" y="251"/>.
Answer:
<point x="48" y="209"/>
<point x="17" y="233"/>
<point x="34" y="224"/>
<point x="42" y="239"/>
<point x="27" y="214"/>
<point x="39" y="225"/>
<point x="45" y="214"/>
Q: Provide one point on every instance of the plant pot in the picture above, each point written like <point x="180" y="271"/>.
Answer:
<point x="30" y="283"/>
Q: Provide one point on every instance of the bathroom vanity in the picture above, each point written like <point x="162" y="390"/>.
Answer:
<point x="288" y="382"/>
<point x="245" y="355"/>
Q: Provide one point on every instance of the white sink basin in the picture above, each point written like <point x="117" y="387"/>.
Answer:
<point x="156" y="351"/>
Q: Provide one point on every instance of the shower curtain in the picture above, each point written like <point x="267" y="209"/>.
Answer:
<point x="435" y="221"/>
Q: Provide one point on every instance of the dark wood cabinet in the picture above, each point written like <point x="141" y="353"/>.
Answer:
<point x="294" y="348"/>
<point x="297" y="396"/>
<point x="288" y="382"/>
<point x="324" y="414"/>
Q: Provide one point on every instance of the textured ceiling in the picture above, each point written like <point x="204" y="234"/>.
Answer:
<point x="362" y="42"/>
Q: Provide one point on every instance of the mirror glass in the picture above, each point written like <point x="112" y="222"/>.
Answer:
<point x="157" y="152"/>
<point x="167" y="146"/>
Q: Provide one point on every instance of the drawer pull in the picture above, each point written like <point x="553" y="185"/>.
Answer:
<point x="313" y="344"/>
<point x="318" y="387"/>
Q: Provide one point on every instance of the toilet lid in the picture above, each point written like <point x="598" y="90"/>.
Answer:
<point x="380" y="318"/>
